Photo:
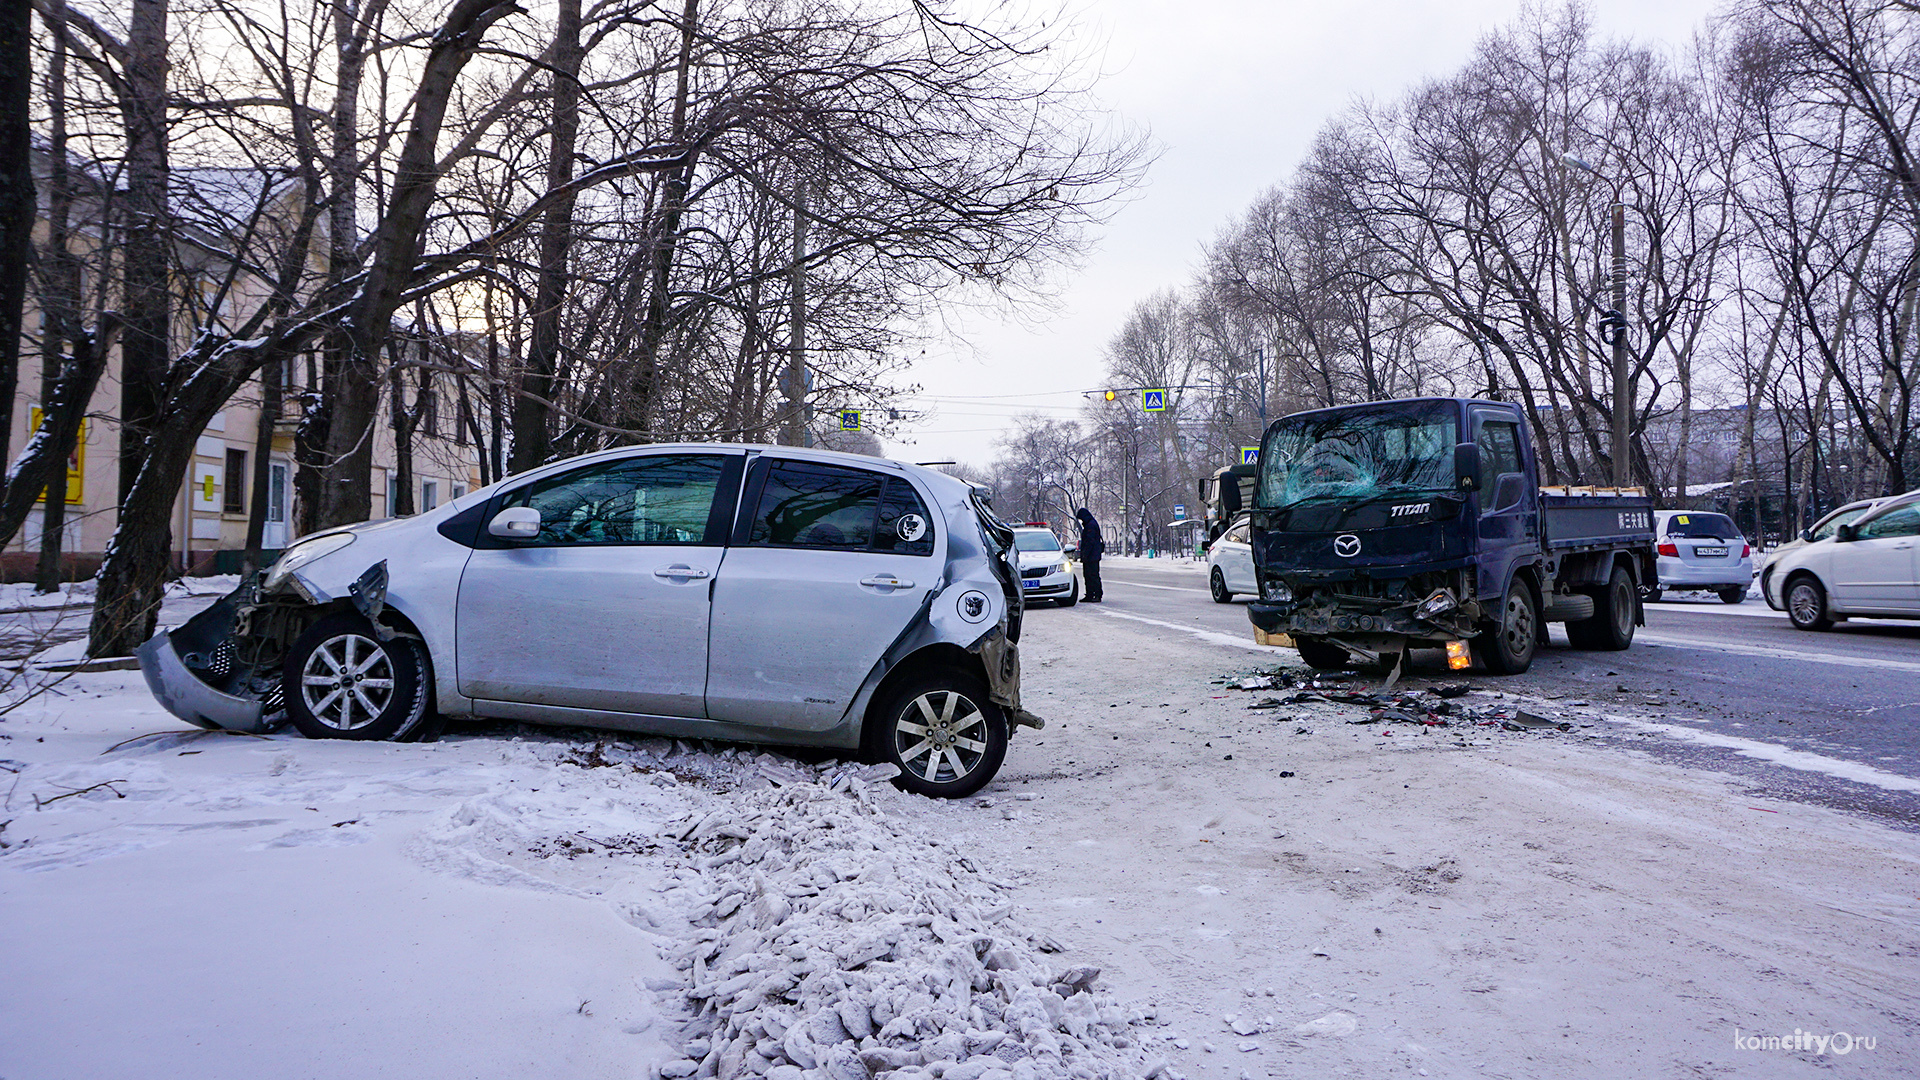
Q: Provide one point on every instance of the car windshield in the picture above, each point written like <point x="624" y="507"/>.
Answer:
<point x="1037" y="540"/>
<point x="1703" y="526"/>
<point x="1358" y="454"/>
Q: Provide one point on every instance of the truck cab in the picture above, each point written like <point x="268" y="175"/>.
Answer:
<point x="1393" y="524"/>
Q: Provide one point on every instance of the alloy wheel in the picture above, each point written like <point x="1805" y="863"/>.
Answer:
<point x="347" y="682"/>
<point x="941" y="736"/>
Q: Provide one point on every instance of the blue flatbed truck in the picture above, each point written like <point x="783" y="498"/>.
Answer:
<point x="1421" y="523"/>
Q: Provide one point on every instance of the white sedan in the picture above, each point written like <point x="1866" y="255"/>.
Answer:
<point x="1230" y="563"/>
<point x="1868" y="567"/>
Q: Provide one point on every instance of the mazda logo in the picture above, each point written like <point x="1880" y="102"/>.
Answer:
<point x="1346" y="545"/>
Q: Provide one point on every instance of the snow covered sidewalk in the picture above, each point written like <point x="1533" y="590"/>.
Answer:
<point x="558" y="904"/>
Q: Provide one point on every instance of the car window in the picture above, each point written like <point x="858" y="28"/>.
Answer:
<point x="1238" y="534"/>
<point x="816" y="506"/>
<point x="1841" y="517"/>
<point x="1035" y="540"/>
<point x="905" y="526"/>
<point x="1707" y="526"/>
<point x="1499" y="453"/>
<point x="663" y="499"/>
<point x="1904" y="521"/>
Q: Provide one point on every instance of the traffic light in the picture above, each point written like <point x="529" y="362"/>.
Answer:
<point x="1111" y="395"/>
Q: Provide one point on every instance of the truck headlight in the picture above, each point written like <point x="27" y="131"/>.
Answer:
<point x="301" y="554"/>
<point x="1278" y="590"/>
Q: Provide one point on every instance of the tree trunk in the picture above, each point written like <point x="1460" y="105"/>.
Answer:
<point x="653" y="327"/>
<point x="272" y="391"/>
<point x="346" y="487"/>
<point x="16" y="198"/>
<point x="146" y="345"/>
<point x="532" y="425"/>
<point x="403" y="423"/>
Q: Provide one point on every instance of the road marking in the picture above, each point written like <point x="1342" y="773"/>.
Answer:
<point x="1775" y="653"/>
<point x="1144" y="585"/>
<point x="1213" y="636"/>
<point x="1779" y="755"/>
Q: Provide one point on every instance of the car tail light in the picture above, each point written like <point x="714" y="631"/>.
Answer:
<point x="1746" y="551"/>
<point x="1670" y="549"/>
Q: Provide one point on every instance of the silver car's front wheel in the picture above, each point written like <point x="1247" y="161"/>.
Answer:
<point x="944" y="733"/>
<point x="343" y="682"/>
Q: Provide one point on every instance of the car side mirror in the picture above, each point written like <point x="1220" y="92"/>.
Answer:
<point x="1466" y="466"/>
<point x="515" y="523"/>
<point x="1846" y="533"/>
<point x="1807" y="535"/>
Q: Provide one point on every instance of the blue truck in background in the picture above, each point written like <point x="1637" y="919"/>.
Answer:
<point x="1421" y="523"/>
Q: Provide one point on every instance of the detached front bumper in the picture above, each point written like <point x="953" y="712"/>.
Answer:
<point x="182" y="693"/>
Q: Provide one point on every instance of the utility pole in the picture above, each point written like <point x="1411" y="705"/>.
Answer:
<point x="794" y="431"/>
<point x="1614" y="323"/>
<point x="1622" y="391"/>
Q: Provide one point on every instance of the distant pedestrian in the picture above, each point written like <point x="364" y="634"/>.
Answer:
<point x="1091" y="548"/>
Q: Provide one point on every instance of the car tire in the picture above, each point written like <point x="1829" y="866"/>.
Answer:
<point x="942" y="714"/>
<point x="1766" y="590"/>
<point x="1508" y="644"/>
<point x="387" y="697"/>
<point x="1323" y="655"/>
<point x="1217" y="585"/>
<point x="1807" y="604"/>
<point x="1611" y="627"/>
<point x="1073" y="594"/>
<point x="1733" y="594"/>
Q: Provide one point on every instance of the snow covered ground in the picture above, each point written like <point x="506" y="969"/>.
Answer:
<point x="1162" y="882"/>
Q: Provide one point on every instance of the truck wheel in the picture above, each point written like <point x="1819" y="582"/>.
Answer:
<point x="1321" y="655"/>
<point x="1733" y="594"/>
<point x="1611" y="627"/>
<point x="1509" y="643"/>
<point x="343" y="682"/>
<point x="1807" y="604"/>
<point x="1217" y="585"/>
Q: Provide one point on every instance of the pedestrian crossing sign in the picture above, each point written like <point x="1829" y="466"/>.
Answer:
<point x="1249" y="455"/>
<point x="849" y="419"/>
<point x="1154" y="400"/>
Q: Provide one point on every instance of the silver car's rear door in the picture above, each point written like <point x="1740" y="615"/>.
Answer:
<point x="828" y="565"/>
<point x="607" y="609"/>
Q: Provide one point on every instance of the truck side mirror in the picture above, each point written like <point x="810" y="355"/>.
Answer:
<point x="1466" y="465"/>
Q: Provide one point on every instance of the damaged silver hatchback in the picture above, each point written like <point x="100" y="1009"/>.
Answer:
<point x="752" y="593"/>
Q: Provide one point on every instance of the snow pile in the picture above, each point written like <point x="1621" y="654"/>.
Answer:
<point x="830" y="942"/>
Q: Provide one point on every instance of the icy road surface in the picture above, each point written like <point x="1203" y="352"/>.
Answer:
<point x="1264" y="892"/>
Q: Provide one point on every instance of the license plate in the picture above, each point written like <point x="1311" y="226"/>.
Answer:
<point x="1710" y="552"/>
<point x="1034" y="583"/>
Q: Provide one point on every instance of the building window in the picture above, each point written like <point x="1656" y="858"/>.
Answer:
<point x="276" y="492"/>
<point x="234" y="498"/>
<point x="463" y="424"/>
<point x="393" y="493"/>
<point x="427" y="407"/>
<point x="456" y="491"/>
<point x="429" y="495"/>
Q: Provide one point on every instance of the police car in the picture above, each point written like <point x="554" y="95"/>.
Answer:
<point x="1044" y="571"/>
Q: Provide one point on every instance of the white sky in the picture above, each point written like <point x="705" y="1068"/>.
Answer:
<point x="1233" y="91"/>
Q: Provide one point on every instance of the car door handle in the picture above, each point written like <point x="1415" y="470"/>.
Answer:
<point x="681" y="571"/>
<point x="886" y="581"/>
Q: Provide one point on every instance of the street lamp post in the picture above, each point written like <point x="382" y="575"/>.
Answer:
<point x="1616" y="324"/>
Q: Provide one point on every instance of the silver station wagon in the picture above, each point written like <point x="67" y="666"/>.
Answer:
<point x="752" y="593"/>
